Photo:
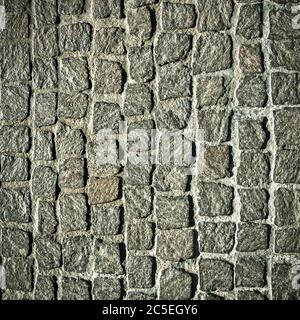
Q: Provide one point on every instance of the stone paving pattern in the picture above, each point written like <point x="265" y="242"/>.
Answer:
<point x="72" y="229"/>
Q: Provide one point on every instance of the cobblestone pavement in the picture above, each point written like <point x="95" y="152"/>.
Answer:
<point x="74" y="229"/>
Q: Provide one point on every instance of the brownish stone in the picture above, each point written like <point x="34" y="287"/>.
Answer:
<point x="102" y="190"/>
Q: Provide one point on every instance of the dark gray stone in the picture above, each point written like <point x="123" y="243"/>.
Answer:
<point x="107" y="9"/>
<point x="71" y="7"/>
<point x="43" y="145"/>
<point x="110" y="41"/>
<point x="15" y="243"/>
<point x="253" y="134"/>
<point x="106" y="116"/>
<point x="140" y="235"/>
<point x="107" y="289"/>
<point x="71" y="173"/>
<point x="72" y="106"/>
<point x="140" y="271"/>
<point x="250" y="272"/>
<point x="285" y="207"/>
<point x="46" y="42"/>
<point x="44" y="181"/>
<point x="250" y="21"/>
<point x="45" y="288"/>
<point x="45" y="12"/>
<point x="254" y="204"/>
<point x="287" y="166"/>
<point x="251" y="58"/>
<point x="138" y="202"/>
<point x="48" y="253"/>
<point x="14" y="168"/>
<point x="45" y="109"/>
<point x="14" y="139"/>
<point x="75" y="289"/>
<point x="285" y="88"/>
<point x="45" y="73"/>
<point x="46" y="217"/>
<point x="287" y="240"/>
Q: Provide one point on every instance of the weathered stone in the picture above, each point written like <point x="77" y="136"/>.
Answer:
<point x="110" y="41"/>
<point x="45" y="109"/>
<point x="285" y="88"/>
<point x="13" y="168"/>
<point x="251" y="58"/>
<point x="138" y="100"/>
<point x="253" y="134"/>
<point x="45" y="12"/>
<point x="140" y="24"/>
<point x="175" y="245"/>
<point x="71" y="173"/>
<point x="284" y="54"/>
<point x="101" y="190"/>
<point x="15" y="205"/>
<point x="175" y="81"/>
<point x="215" y="16"/>
<point x="254" y="204"/>
<point x="285" y="207"/>
<point x="287" y="240"/>
<point x="173" y="114"/>
<point x="46" y="217"/>
<point x="75" y="37"/>
<point x="138" y="202"/>
<point x="48" y="253"/>
<point x="45" y="288"/>
<point x="108" y="77"/>
<point x="140" y="3"/>
<point x="215" y="124"/>
<point x="287" y="132"/>
<point x="216" y="275"/>
<point x="73" y="106"/>
<point x="172" y="47"/>
<point x="74" y="74"/>
<point x="138" y="295"/>
<point x="45" y="73"/>
<point x="141" y="63"/>
<point x="69" y="142"/>
<point x="253" y="236"/>
<point x="140" y="235"/>
<point x="14" y="139"/>
<point x="254" y="169"/>
<point x="71" y="7"/>
<point x="107" y="8"/>
<point x="15" y="243"/>
<point x="77" y="254"/>
<point x="106" y="220"/>
<point x="106" y="116"/>
<point x="46" y="42"/>
<point x="19" y="274"/>
<point x="250" y="21"/>
<point x="170" y="280"/>
<point x="251" y="295"/>
<point x="14" y="58"/>
<point x="43" y="145"/>
<point x="140" y="272"/>
<point x="73" y="212"/>
<point x="287" y="166"/>
<point x="214" y="199"/>
<point x="14" y="103"/>
<point x="252" y="92"/>
<point x="75" y="289"/>
<point x="108" y="258"/>
<point x="107" y="289"/>
<point x="250" y="272"/>
<point x="178" y="16"/>
<point x="217" y="162"/>
<point x="213" y="53"/>
<point x="173" y="212"/>
<point x="15" y="5"/>
<point x="217" y="237"/>
<point x="44" y="181"/>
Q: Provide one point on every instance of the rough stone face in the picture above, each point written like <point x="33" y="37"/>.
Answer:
<point x="71" y="7"/>
<point x="102" y="190"/>
<point x="106" y="8"/>
<point x="45" y="109"/>
<point x="45" y="288"/>
<point x="47" y="217"/>
<point x="216" y="237"/>
<point x="48" y="253"/>
<point x="284" y="54"/>
<point x="106" y="220"/>
<point x="140" y="271"/>
<point x="172" y="47"/>
<point x="252" y="92"/>
<point x="14" y="168"/>
<point x="73" y="212"/>
<point x="140" y="235"/>
<point x="45" y="12"/>
<point x="108" y="77"/>
<point x="175" y="81"/>
<point x="14" y="139"/>
<point x="14" y="103"/>
<point x="75" y="289"/>
<point x="44" y="181"/>
<point x="72" y="106"/>
<point x="107" y="289"/>
<point x="170" y="280"/>
<point x="250" y="272"/>
<point x="15" y="205"/>
<point x="108" y="258"/>
<point x="71" y="173"/>
<point x="15" y="243"/>
<point x="138" y="201"/>
<point x="286" y="162"/>
<point x="287" y="240"/>
<point x="106" y="116"/>
<point x="45" y="73"/>
<point x="253" y="237"/>
<point x="138" y="100"/>
<point x="77" y="254"/>
<point x="251" y="58"/>
<point x="74" y="74"/>
<point x="110" y="41"/>
<point x="43" y="145"/>
<point x="138" y="175"/>
<point x="16" y="26"/>
<point x="214" y="199"/>
<point x="178" y="16"/>
<point x="285" y="88"/>
<point x="253" y="134"/>
<point x="173" y="212"/>
<point x="250" y="21"/>
<point x="251" y="295"/>
<point x="285" y="207"/>
<point x="175" y="245"/>
<point x="213" y="53"/>
<point x="46" y="44"/>
<point x="254" y="204"/>
<point x="216" y="275"/>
